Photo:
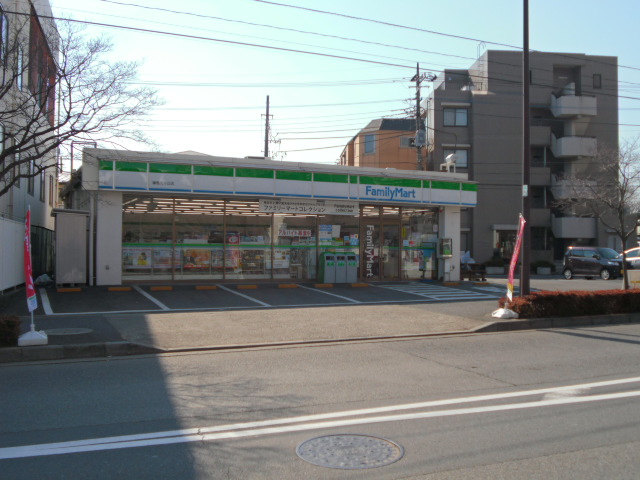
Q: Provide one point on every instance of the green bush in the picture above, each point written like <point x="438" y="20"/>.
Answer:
<point x="574" y="303"/>
<point x="9" y="330"/>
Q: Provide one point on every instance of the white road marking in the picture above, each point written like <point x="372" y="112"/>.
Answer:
<point x="330" y="293"/>
<point x="437" y="292"/>
<point x="244" y="296"/>
<point x="44" y="299"/>
<point x="320" y="421"/>
<point x="151" y="297"/>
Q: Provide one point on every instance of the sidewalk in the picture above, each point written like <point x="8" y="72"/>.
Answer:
<point x="106" y="335"/>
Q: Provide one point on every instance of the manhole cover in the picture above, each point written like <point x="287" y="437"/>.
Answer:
<point x="350" y="452"/>
<point x="68" y="331"/>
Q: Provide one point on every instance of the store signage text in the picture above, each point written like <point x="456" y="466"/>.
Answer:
<point x="310" y="207"/>
<point x="369" y="252"/>
<point x="390" y="193"/>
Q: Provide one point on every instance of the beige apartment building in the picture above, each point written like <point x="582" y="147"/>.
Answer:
<point x="476" y="114"/>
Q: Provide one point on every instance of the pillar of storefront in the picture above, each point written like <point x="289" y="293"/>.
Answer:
<point x="108" y="238"/>
<point x="449" y="227"/>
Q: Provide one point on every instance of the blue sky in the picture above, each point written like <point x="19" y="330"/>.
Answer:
<point x="215" y="90"/>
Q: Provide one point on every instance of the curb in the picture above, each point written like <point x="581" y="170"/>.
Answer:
<point x="80" y="350"/>
<point x="118" y="349"/>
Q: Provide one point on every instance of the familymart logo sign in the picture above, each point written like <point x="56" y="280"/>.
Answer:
<point x="391" y="193"/>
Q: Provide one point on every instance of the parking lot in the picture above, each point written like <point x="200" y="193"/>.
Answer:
<point x="220" y="297"/>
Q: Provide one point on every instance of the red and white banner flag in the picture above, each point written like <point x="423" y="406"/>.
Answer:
<point x="32" y="300"/>
<point x="514" y="258"/>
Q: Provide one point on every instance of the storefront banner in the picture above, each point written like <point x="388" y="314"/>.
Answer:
<point x="32" y="300"/>
<point x="196" y="258"/>
<point x="294" y="233"/>
<point x="136" y="258"/>
<point x="311" y="207"/>
<point x="170" y="182"/>
<point x="514" y="258"/>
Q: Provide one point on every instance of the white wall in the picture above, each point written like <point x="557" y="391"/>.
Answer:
<point x="11" y="253"/>
<point x="108" y="226"/>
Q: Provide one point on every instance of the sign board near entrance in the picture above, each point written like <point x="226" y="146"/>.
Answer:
<point x="310" y="207"/>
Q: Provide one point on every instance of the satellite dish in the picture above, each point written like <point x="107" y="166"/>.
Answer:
<point x="451" y="158"/>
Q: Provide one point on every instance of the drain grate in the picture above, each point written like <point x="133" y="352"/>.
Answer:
<point x="350" y="452"/>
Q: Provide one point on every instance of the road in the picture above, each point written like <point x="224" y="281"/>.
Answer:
<point x="553" y="404"/>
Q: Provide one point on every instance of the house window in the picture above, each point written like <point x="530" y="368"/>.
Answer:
<point x="4" y="36"/>
<point x="31" y="177"/>
<point x="42" y="185"/>
<point x="462" y="160"/>
<point x="407" y="142"/>
<point x="52" y="190"/>
<point x="597" y="80"/>
<point x="20" y="68"/>
<point x="369" y="144"/>
<point x="455" y="117"/>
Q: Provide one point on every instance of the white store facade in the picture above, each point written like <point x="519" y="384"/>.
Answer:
<point x="198" y="218"/>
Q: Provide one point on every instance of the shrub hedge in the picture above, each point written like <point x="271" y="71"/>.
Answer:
<point x="9" y="330"/>
<point x="574" y="303"/>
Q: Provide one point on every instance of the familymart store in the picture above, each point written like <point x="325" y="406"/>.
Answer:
<point x="182" y="217"/>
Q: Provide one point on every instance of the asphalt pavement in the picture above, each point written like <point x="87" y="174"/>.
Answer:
<point x="144" y="319"/>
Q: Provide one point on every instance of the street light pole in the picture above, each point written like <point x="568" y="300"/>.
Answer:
<point x="526" y="156"/>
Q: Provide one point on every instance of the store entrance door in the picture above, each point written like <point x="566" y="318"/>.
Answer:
<point x="380" y="259"/>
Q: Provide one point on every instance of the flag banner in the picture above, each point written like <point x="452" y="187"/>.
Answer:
<point x="514" y="258"/>
<point x="32" y="300"/>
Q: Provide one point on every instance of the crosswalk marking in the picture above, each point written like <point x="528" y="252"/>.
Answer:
<point x="439" y="292"/>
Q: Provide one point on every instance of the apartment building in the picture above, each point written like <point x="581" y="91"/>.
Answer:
<point x="28" y="85"/>
<point x="477" y="115"/>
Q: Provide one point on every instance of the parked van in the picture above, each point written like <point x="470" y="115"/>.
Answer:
<point x="592" y="262"/>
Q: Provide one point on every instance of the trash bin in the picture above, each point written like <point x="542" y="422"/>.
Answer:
<point x="341" y="269"/>
<point x="352" y="268"/>
<point x="327" y="268"/>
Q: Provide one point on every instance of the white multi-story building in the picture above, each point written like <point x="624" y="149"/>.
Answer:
<point x="27" y="62"/>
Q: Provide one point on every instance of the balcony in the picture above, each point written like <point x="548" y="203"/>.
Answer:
<point x="573" y="227"/>
<point x="572" y="188"/>
<point x="573" y="146"/>
<point x="568" y="106"/>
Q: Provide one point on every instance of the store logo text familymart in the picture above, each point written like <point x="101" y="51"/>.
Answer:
<point x="391" y="193"/>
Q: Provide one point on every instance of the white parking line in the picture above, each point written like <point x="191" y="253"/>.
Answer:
<point x="565" y="395"/>
<point x="332" y="294"/>
<point x="244" y="296"/>
<point x="150" y="297"/>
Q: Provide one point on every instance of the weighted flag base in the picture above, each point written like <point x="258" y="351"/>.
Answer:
<point x="32" y="338"/>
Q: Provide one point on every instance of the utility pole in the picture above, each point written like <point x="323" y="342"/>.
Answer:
<point x="526" y="157"/>
<point x="266" y="132"/>
<point x="420" y="133"/>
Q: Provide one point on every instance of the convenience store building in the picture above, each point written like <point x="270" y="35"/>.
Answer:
<point x="199" y="218"/>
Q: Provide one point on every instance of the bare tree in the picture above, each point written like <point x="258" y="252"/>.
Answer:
<point x="59" y="86"/>
<point x="611" y="192"/>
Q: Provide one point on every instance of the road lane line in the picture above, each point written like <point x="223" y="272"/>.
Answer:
<point x="151" y="297"/>
<point x="301" y="423"/>
<point x="235" y="292"/>
<point x="332" y="294"/>
<point x="44" y="299"/>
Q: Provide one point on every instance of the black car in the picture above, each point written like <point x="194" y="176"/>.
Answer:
<point x="591" y="262"/>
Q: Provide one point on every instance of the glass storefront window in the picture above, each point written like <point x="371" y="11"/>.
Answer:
<point x="339" y="234"/>
<point x="247" y="241"/>
<point x="294" y="247"/>
<point x="199" y="228"/>
<point x="419" y="242"/>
